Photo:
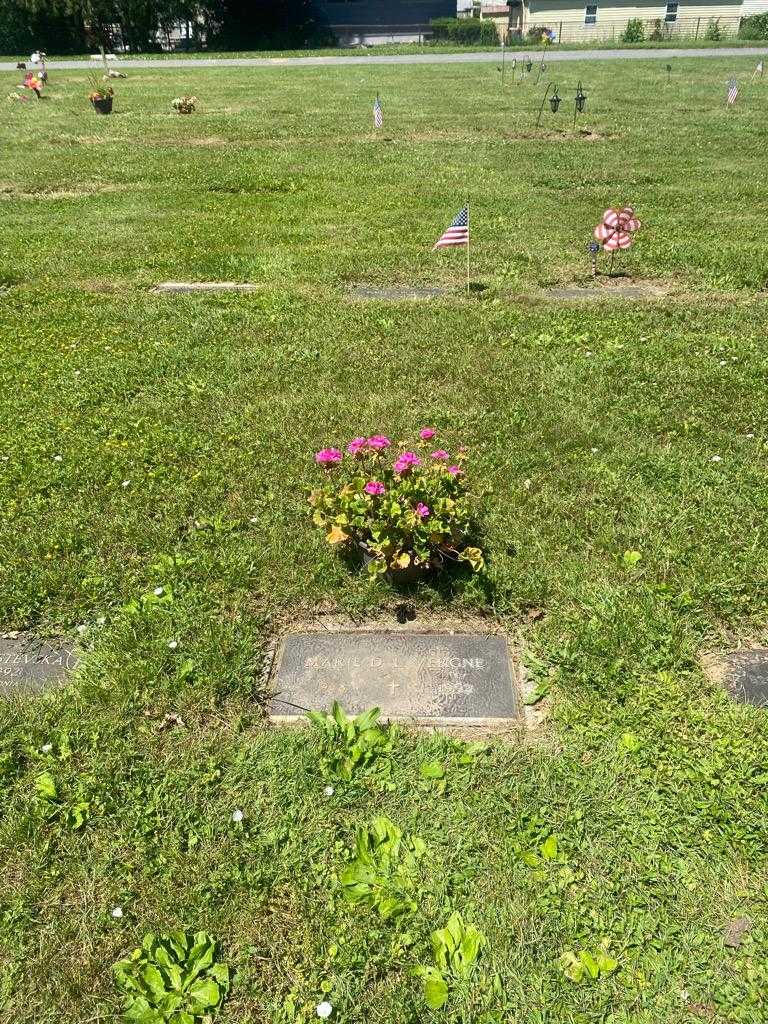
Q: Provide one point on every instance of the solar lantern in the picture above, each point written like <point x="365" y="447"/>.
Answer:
<point x="554" y="101"/>
<point x="579" y="102"/>
<point x="551" y="94"/>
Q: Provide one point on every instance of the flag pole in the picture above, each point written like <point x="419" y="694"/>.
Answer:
<point x="468" y="233"/>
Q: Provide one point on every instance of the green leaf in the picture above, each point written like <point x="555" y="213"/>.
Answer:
<point x="435" y="991"/>
<point x="631" y="558"/>
<point x="45" y="786"/>
<point x="432" y="770"/>
<point x="630" y="742"/>
<point x="549" y="848"/>
<point x="206" y="994"/>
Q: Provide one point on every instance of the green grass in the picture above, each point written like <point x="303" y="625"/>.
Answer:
<point x="186" y="427"/>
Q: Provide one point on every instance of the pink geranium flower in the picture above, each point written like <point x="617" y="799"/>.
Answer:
<point x="440" y="454"/>
<point x="327" y="456"/>
<point x="374" y="487"/>
<point x="378" y="442"/>
<point x="454" y="470"/>
<point x="422" y="510"/>
<point x="405" y="462"/>
<point x="427" y="433"/>
<point x="355" y="445"/>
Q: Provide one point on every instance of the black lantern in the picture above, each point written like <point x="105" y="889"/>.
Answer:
<point x="554" y="101"/>
<point x="581" y="100"/>
<point x="529" y="66"/>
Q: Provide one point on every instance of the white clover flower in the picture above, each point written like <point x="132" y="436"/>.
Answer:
<point x="173" y="644"/>
<point x="101" y="620"/>
<point x="58" y="458"/>
<point x="81" y="628"/>
<point x="237" y="814"/>
<point x="324" y="1010"/>
<point x="328" y="790"/>
<point x="716" y="458"/>
<point x="158" y="591"/>
<point x="117" y="913"/>
<point x="588" y="353"/>
<point x="125" y="483"/>
<point x="593" y="450"/>
<point x="750" y="436"/>
<point x="47" y="748"/>
<point x="254" y="520"/>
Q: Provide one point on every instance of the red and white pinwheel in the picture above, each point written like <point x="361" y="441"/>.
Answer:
<point x="616" y="227"/>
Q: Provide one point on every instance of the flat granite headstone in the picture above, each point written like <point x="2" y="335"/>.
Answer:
<point x="429" y="678"/>
<point x="604" y="293"/>
<point x="397" y="293"/>
<point x="28" y="665"/>
<point x="745" y="674"/>
<point x="179" y="287"/>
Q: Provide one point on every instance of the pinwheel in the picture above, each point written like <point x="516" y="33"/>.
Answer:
<point x="615" y="229"/>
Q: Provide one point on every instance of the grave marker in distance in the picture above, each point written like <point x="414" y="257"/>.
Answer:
<point x="746" y="676"/>
<point x="427" y="678"/>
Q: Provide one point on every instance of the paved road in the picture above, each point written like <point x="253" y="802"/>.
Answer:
<point x="170" y="63"/>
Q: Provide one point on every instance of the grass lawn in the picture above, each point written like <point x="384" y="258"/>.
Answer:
<point x="186" y="427"/>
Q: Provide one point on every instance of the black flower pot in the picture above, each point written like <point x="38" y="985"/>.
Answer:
<point x="103" y="105"/>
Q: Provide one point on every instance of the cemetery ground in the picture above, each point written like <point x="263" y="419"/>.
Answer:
<point x="155" y="451"/>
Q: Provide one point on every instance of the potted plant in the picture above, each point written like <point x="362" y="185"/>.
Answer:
<point x="408" y="515"/>
<point x="184" y="104"/>
<point x="101" y="96"/>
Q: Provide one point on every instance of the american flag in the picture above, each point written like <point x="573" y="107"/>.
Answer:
<point x="457" y="232"/>
<point x="378" y="116"/>
<point x="733" y="91"/>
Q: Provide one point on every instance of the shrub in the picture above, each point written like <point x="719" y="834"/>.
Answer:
<point x="634" y="32"/>
<point x="464" y="30"/>
<point x="415" y="512"/>
<point x="660" y="31"/>
<point x="754" y="27"/>
<point x="537" y="34"/>
<point x="714" y="33"/>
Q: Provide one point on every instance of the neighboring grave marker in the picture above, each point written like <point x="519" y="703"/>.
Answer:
<point x="28" y="665"/>
<point x="745" y="674"/>
<point x="431" y="678"/>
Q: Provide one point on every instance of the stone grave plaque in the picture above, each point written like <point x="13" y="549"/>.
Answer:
<point x="746" y="675"/>
<point x="184" y="287"/>
<point x="429" y="678"/>
<point x="28" y="665"/>
<point x="398" y="293"/>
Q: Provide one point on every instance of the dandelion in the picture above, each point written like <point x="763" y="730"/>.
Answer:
<point x="117" y="913"/>
<point x="324" y="1010"/>
<point x="237" y="815"/>
<point x="374" y="487"/>
<point x="427" y="433"/>
<point x="328" y="791"/>
<point x="328" y="456"/>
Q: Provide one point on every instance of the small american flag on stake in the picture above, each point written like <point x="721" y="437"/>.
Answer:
<point x="733" y="91"/>
<point x="378" y="114"/>
<point x="457" y="232"/>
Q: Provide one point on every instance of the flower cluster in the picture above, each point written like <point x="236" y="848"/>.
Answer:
<point x="404" y="510"/>
<point x="184" y="104"/>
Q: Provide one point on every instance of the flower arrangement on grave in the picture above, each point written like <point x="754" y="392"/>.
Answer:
<point x="100" y="95"/>
<point x="407" y="513"/>
<point x="184" y="104"/>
